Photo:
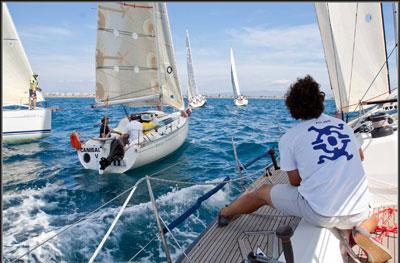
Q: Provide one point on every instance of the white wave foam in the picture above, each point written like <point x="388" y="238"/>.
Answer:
<point x="27" y="224"/>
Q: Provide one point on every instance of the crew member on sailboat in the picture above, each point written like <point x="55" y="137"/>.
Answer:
<point x="328" y="186"/>
<point x="34" y="86"/>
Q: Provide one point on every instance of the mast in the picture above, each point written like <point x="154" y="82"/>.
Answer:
<point x="384" y="39"/>
<point x="158" y="54"/>
<point x="395" y="7"/>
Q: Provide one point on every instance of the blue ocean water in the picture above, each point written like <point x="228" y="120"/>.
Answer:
<point x="45" y="188"/>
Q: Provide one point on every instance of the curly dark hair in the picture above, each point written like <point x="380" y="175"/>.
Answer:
<point x="304" y="99"/>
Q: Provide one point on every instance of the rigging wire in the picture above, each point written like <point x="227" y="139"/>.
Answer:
<point x="386" y="61"/>
<point x="352" y="57"/>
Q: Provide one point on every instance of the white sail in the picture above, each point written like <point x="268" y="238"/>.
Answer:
<point x="133" y="55"/>
<point x="234" y="79"/>
<point x="17" y="72"/>
<point x="192" y="88"/>
<point x="171" y="92"/>
<point x="353" y="39"/>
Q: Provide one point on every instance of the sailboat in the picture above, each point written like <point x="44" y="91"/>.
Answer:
<point x="20" y="124"/>
<point x="195" y="99"/>
<point x="135" y="66"/>
<point x="239" y="99"/>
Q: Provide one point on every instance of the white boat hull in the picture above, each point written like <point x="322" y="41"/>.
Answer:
<point x="198" y="104"/>
<point x="26" y="125"/>
<point x="241" y="102"/>
<point x="153" y="148"/>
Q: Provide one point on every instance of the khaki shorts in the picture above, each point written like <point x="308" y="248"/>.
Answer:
<point x="287" y="199"/>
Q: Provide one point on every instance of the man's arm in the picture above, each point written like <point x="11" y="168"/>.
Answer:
<point x="294" y="177"/>
<point x="114" y="131"/>
<point x="360" y="151"/>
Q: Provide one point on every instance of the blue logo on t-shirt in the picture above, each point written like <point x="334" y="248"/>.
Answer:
<point x="332" y="141"/>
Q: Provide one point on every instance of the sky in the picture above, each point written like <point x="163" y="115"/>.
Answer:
<point x="274" y="43"/>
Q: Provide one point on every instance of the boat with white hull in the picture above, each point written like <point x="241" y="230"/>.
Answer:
<point x="26" y="125"/>
<point x="239" y="99"/>
<point x="20" y="124"/>
<point x="136" y="66"/>
<point x="196" y="100"/>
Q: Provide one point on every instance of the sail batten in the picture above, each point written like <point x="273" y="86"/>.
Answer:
<point x="129" y="51"/>
<point x="17" y="72"/>
<point x="354" y="46"/>
<point x="234" y="79"/>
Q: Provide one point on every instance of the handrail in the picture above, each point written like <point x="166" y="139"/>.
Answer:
<point x="196" y="206"/>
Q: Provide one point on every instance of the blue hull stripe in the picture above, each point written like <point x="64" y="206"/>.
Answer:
<point x="26" y="132"/>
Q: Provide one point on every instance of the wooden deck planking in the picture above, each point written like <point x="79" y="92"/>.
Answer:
<point x="233" y="242"/>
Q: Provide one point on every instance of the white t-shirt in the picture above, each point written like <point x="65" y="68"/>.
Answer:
<point x="135" y="130"/>
<point x="325" y="152"/>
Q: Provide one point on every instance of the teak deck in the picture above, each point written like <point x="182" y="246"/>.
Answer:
<point x="257" y="230"/>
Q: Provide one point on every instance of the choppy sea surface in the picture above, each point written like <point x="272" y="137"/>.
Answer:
<point x="46" y="189"/>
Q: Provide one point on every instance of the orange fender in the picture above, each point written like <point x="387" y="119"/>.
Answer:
<point x="75" y="141"/>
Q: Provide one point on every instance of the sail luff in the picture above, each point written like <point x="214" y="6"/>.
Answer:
<point x="384" y="41"/>
<point x="17" y="71"/>
<point x="354" y="61"/>
<point x="192" y="88"/>
<point x="235" y="83"/>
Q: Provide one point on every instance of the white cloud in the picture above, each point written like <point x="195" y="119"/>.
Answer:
<point x="40" y="33"/>
<point x="266" y="59"/>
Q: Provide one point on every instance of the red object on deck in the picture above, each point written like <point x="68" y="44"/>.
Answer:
<point x="75" y="141"/>
<point x="384" y="229"/>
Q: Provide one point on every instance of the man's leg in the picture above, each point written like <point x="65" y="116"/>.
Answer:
<point x="249" y="202"/>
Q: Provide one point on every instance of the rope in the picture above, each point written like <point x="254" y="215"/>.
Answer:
<point x="173" y="237"/>
<point x="143" y="248"/>
<point x="116" y="219"/>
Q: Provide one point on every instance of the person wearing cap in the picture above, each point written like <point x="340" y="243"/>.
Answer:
<point x="105" y="131"/>
<point x="148" y="123"/>
<point x="134" y="128"/>
<point x="34" y="86"/>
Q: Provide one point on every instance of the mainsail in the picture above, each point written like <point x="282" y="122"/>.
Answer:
<point x="135" y="61"/>
<point x="192" y="88"/>
<point x="17" y="72"/>
<point x="234" y="79"/>
<point x="355" y="53"/>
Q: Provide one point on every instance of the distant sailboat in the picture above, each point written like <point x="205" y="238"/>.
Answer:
<point x="239" y="99"/>
<point x="135" y="65"/>
<point x="195" y="99"/>
<point x="19" y="122"/>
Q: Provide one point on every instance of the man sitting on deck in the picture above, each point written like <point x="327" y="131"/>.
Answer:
<point x="328" y="186"/>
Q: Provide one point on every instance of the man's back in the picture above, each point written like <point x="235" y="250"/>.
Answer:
<point x="326" y="154"/>
<point x="135" y="130"/>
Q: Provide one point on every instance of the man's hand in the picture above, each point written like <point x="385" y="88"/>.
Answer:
<point x="294" y="177"/>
